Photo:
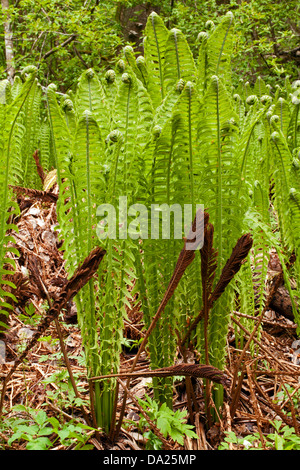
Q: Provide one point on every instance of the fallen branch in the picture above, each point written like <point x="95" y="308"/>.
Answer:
<point x="63" y="44"/>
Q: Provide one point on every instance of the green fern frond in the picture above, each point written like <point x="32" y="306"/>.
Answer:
<point x="67" y="107"/>
<point x="202" y="62"/>
<point x="87" y="174"/>
<point x="156" y="35"/>
<point x="131" y="61"/>
<point x="293" y="131"/>
<point x="260" y="88"/>
<point x="179" y="62"/>
<point x="219" y="50"/>
<point x="45" y="147"/>
<point x="32" y="126"/>
<point x="6" y="96"/>
<point x="10" y="138"/>
<point x="110" y="89"/>
<point x="90" y="96"/>
<point x="282" y="110"/>
<point x="281" y="175"/>
<point x="164" y="112"/>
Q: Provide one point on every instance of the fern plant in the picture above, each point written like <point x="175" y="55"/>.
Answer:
<point x="176" y="136"/>
<point x="161" y="130"/>
<point x="12" y="133"/>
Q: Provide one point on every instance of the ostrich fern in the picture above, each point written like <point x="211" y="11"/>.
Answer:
<point x="165" y="128"/>
<point x="11" y="171"/>
<point x="171" y="131"/>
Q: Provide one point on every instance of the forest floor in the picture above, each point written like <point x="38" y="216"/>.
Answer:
<point x="268" y="386"/>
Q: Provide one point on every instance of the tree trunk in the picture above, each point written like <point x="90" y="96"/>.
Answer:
<point x="8" y="40"/>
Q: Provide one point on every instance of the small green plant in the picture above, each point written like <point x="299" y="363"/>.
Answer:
<point x="171" y="424"/>
<point x="42" y="432"/>
<point x="31" y="317"/>
<point x="54" y="356"/>
<point x="284" y="438"/>
<point x="242" y="443"/>
<point x="284" y="396"/>
<point x="131" y="343"/>
<point x="64" y="393"/>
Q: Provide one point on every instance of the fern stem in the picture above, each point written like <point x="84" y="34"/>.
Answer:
<point x="159" y="59"/>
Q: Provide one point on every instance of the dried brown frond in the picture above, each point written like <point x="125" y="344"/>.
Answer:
<point x="187" y="254"/>
<point x="202" y="371"/>
<point x="208" y="260"/>
<point x="39" y="167"/>
<point x="239" y="253"/>
<point x="83" y="273"/>
<point x="233" y="265"/>
<point x="45" y="196"/>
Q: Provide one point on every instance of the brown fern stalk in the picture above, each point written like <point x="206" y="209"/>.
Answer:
<point x="39" y="167"/>
<point x="200" y="371"/>
<point x="45" y="196"/>
<point x="186" y="256"/>
<point x="208" y="272"/>
<point x="233" y="265"/>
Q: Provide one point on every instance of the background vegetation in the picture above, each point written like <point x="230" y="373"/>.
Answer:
<point x="63" y="38"/>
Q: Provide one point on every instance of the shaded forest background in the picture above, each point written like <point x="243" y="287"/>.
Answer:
<point x="65" y="37"/>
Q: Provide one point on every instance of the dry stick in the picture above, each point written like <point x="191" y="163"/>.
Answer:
<point x="256" y="407"/>
<point x="275" y="374"/>
<point x="253" y="333"/>
<point x="46" y="196"/>
<point x="228" y="416"/>
<point x="290" y="395"/>
<point x="296" y="427"/>
<point x="261" y="346"/>
<point x="236" y="396"/>
<point x="274" y="407"/>
<point x="81" y="276"/>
